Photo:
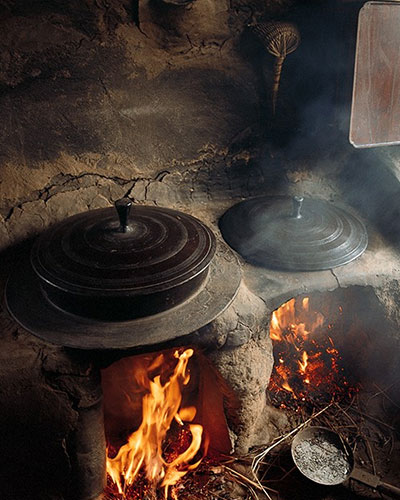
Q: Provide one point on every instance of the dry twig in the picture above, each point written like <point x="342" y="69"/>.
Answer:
<point x="374" y="419"/>
<point x="247" y="480"/>
<point x="257" y="459"/>
<point x="383" y="391"/>
<point x="371" y="454"/>
<point x="346" y="414"/>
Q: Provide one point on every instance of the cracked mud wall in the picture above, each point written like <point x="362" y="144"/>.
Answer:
<point x="103" y="98"/>
<point x="169" y="104"/>
<point x="100" y="99"/>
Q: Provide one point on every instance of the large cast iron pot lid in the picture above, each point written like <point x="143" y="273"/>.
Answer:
<point x="96" y="281"/>
<point x="146" y="250"/>
<point x="293" y="234"/>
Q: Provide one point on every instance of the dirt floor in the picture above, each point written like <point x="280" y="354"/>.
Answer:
<point x="369" y="423"/>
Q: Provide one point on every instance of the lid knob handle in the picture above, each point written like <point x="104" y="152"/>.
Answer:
<point x="123" y="207"/>
<point x="297" y="204"/>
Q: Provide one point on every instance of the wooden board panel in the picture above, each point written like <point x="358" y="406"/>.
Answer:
<point x="375" y="113"/>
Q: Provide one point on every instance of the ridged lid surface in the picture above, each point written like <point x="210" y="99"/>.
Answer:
<point x="294" y="234"/>
<point x="92" y="254"/>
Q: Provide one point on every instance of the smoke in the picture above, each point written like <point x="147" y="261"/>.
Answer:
<point x="315" y="95"/>
<point x="311" y="128"/>
<point x="370" y="181"/>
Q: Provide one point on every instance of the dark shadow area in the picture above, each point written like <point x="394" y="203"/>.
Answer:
<point x="314" y="99"/>
<point x="370" y="182"/>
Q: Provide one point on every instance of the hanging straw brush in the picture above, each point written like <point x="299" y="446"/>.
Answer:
<point x="280" y="39"/>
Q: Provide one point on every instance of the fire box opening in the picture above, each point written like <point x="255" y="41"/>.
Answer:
<point x="335" y="376"/>
<point x="164" y="413"/>
<point x="327" y="345"/>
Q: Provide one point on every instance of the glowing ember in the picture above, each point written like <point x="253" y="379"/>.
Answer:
<point x="147" y="454"/>
<point x="307" y="363"/>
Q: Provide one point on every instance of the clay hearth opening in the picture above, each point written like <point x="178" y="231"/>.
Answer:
<point x="168" y="414"/>
<point x="175" y="104"/>
<point x="336" y="366"/>
<point x="164" y="415"/>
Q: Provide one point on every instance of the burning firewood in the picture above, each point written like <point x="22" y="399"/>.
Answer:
<point x="308" y="365"/>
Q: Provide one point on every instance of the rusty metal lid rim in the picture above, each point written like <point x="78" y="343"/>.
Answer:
<point x="42" y="319"/>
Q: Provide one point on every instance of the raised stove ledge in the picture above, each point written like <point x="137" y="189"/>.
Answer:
<point x="379" y="263"/>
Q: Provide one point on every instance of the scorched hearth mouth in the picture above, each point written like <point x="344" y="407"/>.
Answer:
<point x="335" y="376"/>
<point x="117" y="283"/>
<point x="163" y="416"/>
<point x="310" y="368"/>
<point x="197" y="363"/>
<point x="148" y="354"/>
<point x="327" y="379"/>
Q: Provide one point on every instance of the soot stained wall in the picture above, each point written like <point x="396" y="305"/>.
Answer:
<point x="103" y="98"/>
<point x="100" y="99"/>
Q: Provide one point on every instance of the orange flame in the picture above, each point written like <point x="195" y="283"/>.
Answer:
<point x="307" y="361"/>
<point x="283" y="373"/>
<point x="303" y="362"/>
<point x="286" y="325"/>
<point x="160" y="406"/>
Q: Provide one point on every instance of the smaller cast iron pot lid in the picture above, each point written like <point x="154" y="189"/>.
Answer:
<point x="293" y="234"/>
